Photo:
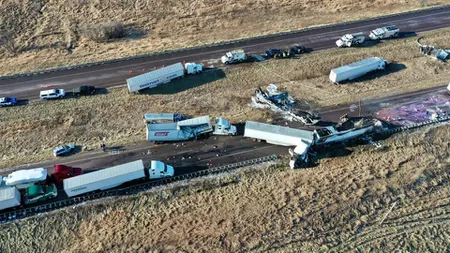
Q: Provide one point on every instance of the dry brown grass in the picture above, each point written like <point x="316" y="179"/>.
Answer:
<point x="29" y="133"/>
<point x="47" y="29"/>
<point x="335" y="206"/>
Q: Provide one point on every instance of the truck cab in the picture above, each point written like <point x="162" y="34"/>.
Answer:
<point x="159" y="170"/>
<point x="223" y="127"/>
<point x="193" y="68"/>
<point x="384" y="32"/>
<point x="37" y="193"/>
<point x="63" y="172"/>
<point x="234" y="56"/>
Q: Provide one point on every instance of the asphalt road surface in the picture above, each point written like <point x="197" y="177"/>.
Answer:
<point x="114" y="74"/>
<point x="192" y="156"/>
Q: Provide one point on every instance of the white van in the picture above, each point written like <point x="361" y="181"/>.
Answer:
<point x="53" y="93"/>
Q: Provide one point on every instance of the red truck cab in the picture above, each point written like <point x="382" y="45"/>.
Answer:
<point x="62" y="172"/>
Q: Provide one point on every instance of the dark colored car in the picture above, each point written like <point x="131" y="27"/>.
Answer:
<point x="298" y="49"/>
<point x="7" y="101"/>
<point x="84" y="90"/>
<point x="273" y="52"/>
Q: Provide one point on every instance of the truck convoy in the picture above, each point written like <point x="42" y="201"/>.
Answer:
<point x="304" y="140"/>
<point x="115" y="176"/>
<point x="188" y="129"/>
<point x="234" y="56"/>
<point x="12" y="195"/>
<point x="162" y="75"/>
<point x="350" y="40"/>
<point x="357" y="69"/>
<point x="386" y="32"/>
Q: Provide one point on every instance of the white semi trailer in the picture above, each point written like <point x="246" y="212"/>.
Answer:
<point x="9" y="196"/>
<point x="357" y="69"/>
<point x="22" y="179"/>
<point x="162" y="75"/>
<point x="386" y="32"/>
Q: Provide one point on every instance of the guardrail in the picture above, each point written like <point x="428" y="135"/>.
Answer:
<point x="139" y="56"/>
<point x="30" y="211"/>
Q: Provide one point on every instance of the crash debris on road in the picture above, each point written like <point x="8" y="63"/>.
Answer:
<point x="281" y="102"/>
<point x="432" y="51"/>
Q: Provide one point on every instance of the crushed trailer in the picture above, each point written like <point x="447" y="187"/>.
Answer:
<point x="432" y="51"/>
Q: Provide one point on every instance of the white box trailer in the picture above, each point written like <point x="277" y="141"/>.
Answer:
<point x="277" y="135"/>
<point x="162" y="75"/>
<point x="9" y="197"/>
<point x="25" y="178"/>
<point x="179" y="131"/>
<point x="356" y="69"/>
<point x="104" y="179"/>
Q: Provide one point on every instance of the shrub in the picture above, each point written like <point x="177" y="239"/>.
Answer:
<point x="103" y="32"/>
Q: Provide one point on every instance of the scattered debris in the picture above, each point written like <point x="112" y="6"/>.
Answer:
<point x="437" y="53"/>
<point x="282" y="102"/>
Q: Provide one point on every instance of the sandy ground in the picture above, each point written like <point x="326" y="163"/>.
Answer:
<point x="48" y="31"/>
<point x="337" y="206"/>
<point x="29" y="133"/>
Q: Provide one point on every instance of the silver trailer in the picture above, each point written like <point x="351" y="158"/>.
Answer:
<point x="151" y="118"/>
<point x="156" y="77"/>
<point x="9" y="196"/>
<point x="24" y="178"/>
<point x="356" y="69"/>
<point x="178" y="131"/>
<point x="104" y="179"/>
<point x="277" y="135"/>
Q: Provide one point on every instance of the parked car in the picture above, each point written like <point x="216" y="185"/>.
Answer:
<point x="53" y="93"/>
<point x="84" y="90"/>
<point x="272" y="52"/>
<point x="7" y="101"/>
<point x="63" y="172"/>
<point x="298" y="49"/>
<point x="61" y="150"/>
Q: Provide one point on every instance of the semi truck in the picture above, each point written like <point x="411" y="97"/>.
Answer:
<point x="162" y="75"/>
<point x="386" y="32"/>
<point x="234" y="56"/>
<point x="350" y="40"/>
<point x="304" y="140"/>
<point x="188" y="129"/>
<point x="9" y="196"/>
<point x="115" y="176"/>
<point x="357" y="69"/>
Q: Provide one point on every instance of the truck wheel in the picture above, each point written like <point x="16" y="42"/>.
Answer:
<point x="226" y="63"/>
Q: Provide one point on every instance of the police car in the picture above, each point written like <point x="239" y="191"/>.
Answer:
<point x="7" y="101"/>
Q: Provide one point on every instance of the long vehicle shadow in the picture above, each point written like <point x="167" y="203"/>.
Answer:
<point x="188" y="82"/>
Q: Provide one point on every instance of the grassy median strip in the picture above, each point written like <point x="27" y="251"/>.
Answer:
<point x="30" y="132"/>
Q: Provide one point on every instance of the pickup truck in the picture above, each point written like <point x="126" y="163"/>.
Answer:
<point x="38" y="193"/>
<point x="84" y="90"/>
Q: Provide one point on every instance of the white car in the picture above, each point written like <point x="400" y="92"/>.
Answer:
<point x="53" y="93"/>
<point x="61" y="150"/>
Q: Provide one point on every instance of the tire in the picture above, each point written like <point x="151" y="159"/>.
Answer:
<point x="226" y="63"/>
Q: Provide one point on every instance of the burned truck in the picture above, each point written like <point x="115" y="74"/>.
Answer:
<point x="432" y="51"/>
<point x="282" y="102"/>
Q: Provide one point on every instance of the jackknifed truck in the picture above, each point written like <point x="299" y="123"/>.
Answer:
<point x="357" y="69"/>
<point x="162" y="75"/>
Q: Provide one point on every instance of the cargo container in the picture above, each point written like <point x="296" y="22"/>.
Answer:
<point x="179" y="131"/>
<point x="356" y="69"/>
<point x="104" y="179"/>
<point x="9" y="197"/>
<point x="24" y="178"/>
<point x="277" y="135"/>
<point x="162" y="75"/>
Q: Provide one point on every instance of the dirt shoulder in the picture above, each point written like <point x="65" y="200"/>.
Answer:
<point x="337" y="205"/>
<point x="49" y="32"/>
<point x="29" y="133"/>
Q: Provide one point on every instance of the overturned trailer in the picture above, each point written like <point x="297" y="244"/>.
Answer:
<point x="150" y="118"/>
<point x="357" y="69"/>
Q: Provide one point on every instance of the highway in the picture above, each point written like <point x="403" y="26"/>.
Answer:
<point x="191" y="156"/>
<point x="114" y="74"/>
